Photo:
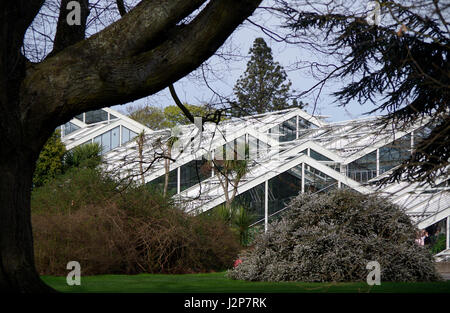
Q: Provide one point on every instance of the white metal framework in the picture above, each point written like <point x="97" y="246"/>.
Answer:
<point x="95" y="126"/>
<point x="287" y="152"/>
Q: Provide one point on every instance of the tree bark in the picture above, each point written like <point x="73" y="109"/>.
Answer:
<point x="142" y="53"/>
<point x="17" y="269"/>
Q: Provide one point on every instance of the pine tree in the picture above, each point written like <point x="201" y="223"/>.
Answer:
<point x="263" y="86"/>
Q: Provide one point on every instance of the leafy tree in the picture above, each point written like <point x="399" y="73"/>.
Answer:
<point x="157" y="118"/>
<point x="400" y="65"/>
<point x="175" y="116"/>
<point x="263" y="87"/>
<point x="150" y="116"/>
<point x="50" y="161"/>
<point x="136" y="56"/>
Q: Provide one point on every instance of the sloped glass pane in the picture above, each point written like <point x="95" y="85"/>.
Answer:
<point x="96" y="116"/>
<point x="394" y="153"/>
<point x="364" y="168"/>
<point x="193" y="173"/>
<point x="70" y="128"/>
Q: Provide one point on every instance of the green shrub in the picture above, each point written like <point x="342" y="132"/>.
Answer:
<point x="50" y="161"/>
<point x="82" y="216"/>
<point x="440" y="244"/>
<point x="332" y="238"/>
<point x="77" y="188"/>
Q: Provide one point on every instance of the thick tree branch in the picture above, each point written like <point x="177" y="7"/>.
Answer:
<point x="67" y="35"/>
<point x="139" y="30"/>
<point x="121" y="7"/>
<point x="80" y="82"/>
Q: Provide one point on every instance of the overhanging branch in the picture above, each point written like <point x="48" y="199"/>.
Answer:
<point x="71" y="82"/>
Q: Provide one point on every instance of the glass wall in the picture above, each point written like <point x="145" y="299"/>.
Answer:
<point x="394" y="153"/>
<point x="422" y="133"/>
<point x="389" y="156"/>
<point x="436" y="236"/>
<point x="317" y="156"/>
<point x="96" y="116"/>
<point x="242" y="148"/>
<point x="316" y="181"/>
<point x="253" y="201"/>
<point x="70" y="128"/>
<point x="108" y="140"/>
<point x="127" y="134"/>
<point x="303" y="124"/>
<point x="158" y="183"/>
<point x="194" y="172"/>
<point x="285" y="131"/>
<point x="364" y="168"/>
<point x="283" y="187"/>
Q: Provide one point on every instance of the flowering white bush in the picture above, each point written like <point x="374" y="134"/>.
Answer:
<point x="332" y="237"/>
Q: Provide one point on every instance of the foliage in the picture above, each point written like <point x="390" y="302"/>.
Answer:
<point x="175" y="116"/>
<point x="332" y="237"/>
<point x="401" y="66"/>
<point x="85" y="216"/>
<point x="157" y="118"/>
<point x="50" y="162"/>
<point x="230" y="172"/>
<point x="242" y="221"/>
<point x="239" y="220"/>
<point x="150" y="116"/>
<point x="77" y="188"/>
<point x="263" y="87"/>
<point x="87" y="155"/>
<point x="440" y="244"/>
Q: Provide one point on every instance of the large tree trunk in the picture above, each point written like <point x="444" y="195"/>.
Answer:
<point x="17" y="269"/>
<point x="135" y="57"/>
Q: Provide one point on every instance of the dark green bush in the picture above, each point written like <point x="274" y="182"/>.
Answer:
<point x="82" y="216"/>
<point x="439" y="245"/>
<point x="332" y="238"/>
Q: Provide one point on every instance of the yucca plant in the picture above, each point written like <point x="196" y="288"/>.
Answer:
<point x="87" y="155"/>
<point x="241" y="221"/>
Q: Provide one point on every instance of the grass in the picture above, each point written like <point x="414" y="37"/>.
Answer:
<point x="218" y="283"/>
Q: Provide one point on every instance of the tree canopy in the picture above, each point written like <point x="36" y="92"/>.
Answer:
<point x="400" y="65"/>
<point x="159" y="118"/>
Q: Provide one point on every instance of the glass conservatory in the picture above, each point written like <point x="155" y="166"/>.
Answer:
<point x="284" y="153"/>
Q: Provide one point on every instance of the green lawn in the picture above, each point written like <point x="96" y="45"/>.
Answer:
<point x="218" y="283"/>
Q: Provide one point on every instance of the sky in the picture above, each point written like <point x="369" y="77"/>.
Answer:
<point x="222" y="75"/>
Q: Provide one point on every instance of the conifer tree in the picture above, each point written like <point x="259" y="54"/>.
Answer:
<point x="50" y="161"/>
<point x="264" y="86"/>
